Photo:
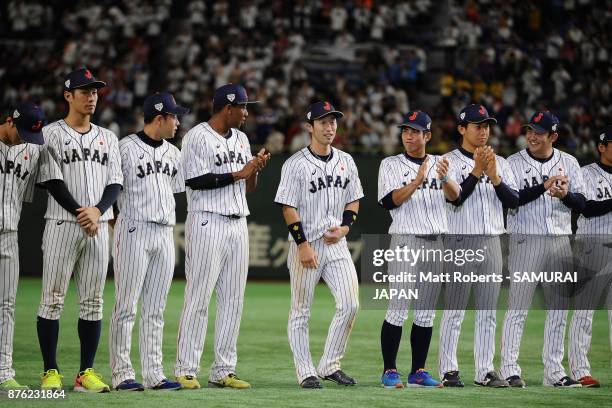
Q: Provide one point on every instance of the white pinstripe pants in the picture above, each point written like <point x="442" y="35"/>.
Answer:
<point x="596" y="262"/>
<point x="456" y="296"/>
<point x="539" y="254"/>
<point x="68" y="250"/>
<point x="338" y="271"/>
<point x="143" y="260"/>
<point x="9" y="267"/>
<point x="217" y="258"/>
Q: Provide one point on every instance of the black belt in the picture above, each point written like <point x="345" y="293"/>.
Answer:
<point x="428" y="237"/>
<point x="232" y="216"/>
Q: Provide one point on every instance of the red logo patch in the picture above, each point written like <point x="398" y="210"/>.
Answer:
<point x="482" y="110"/>
<point x="25" y="157"/>
<point x="327" y="106"/>
<point x="88" y="74"/>
<point x="538" y="118"/>
<point x="413" y="116"/>
<point x="101" y="142"/>
<point x="36" y="127"/>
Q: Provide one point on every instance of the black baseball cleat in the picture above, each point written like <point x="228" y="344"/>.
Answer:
<point x="340" y="378"/>
<point x="492" y="380"/>
<point x="311" y="383"/>
<point x="566" y="382"/>
<point x="452" y="379"/>
<point x="516" y="382"/>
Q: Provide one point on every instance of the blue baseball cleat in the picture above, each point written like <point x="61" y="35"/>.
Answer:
<point x="422" y="379"/>
<point x="391" y="379"/>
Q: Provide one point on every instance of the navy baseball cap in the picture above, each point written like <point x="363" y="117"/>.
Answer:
<point x="417" y="120"/>
<point x="606" y="136"/>
<point x="230" y="94"/>
<point x="82" y="78"/>
<point x="162" y="102"/>
<point x="29" y="120"/>
<point x="474" y="113"/>
<point x="542" y="122"/>
<point x="319" y="109"/>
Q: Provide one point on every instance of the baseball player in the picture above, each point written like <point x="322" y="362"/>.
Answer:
<point x="81" y="169"/>
<point x="551" y="187"/>
<point x="319" y="192"/>
<point x="143" y="251"/>
<point x="20" y="137"/>
<point x="476" y="219"/>
<point x="219" y="171"/>
<point x="593" y="249"/>
<point x="413" y="186"/>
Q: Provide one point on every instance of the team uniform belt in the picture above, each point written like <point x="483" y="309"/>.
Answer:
<point x="430" y="237"/>
<point x="232" y="216"/>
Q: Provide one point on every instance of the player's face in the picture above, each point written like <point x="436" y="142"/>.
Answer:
<point x="476" y="134"/>
<point x="169" y="126"/>
<point x="605" y="153"/>
<point x="237" y="115"/>
<point x="324" y="129"/>
<point x="414" y="140"/>
<point x="539" y="143"/>
<point x="83" y="101"/>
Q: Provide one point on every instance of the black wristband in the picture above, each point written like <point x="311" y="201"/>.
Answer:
<point x="348" y="218"/>
<point x="297" y="232"/>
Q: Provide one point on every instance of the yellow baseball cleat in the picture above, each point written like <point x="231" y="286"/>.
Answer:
<point x="90" y="381"/>
<point x="188" y="382"/>
<point x="231" y="381"/>
<point x="51" y="380"/>
<point x="11" y="384"/>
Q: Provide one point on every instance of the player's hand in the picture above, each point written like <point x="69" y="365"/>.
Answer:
<point x="491" y="169"/>
<point x="88" y="216"/>
<point x="480" y="162"/>
<point x="335" y="234"/>
<point x="307" y="255"/>
<point x="422" y="171"/>
<point x="92" y="230"/>
<point x="263" y="157"/>
<point x="248" y="170"/>
<point x="559" y="189"/>
<point x="442" y="167"/>
<point x="555" y="181"/>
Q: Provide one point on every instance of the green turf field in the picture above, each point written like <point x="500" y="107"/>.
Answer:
<point x="265" y="360"/>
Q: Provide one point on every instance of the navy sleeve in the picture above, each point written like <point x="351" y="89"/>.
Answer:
<point x="508" y="196"/>
<point x="59" y="191"/>
<point x="109" y="197"/>
<point x="594" y="208"/>
<point x="575" y="201"/>
<point x="210" y="181"/>
<point x="530" y="194"/>
<point x="467" y="188"/>
<point x="387" y="202"/>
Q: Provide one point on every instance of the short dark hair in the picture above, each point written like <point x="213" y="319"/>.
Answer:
<point x="150" y="119"/>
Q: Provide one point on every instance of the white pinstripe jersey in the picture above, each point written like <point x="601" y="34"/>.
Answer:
<point x="319" y="190"/>
<point x="151" y="176"/>
<point x="546" y="215"/>
<point x="425" y="211"/>
<point x="205" y="151"/>
<point x="18" y="172"/>
<point x="598" y="187"/>
<point x="87" y="163"/>
<point x="482" y="213"/>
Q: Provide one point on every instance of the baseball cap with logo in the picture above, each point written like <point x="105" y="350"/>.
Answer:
<point x="606" y="136"/>
<point x="82" y="78"/>
<point x="543" y="122"/>
<point x="162" y="102"/>
<point x="230" y="94"/>
<point x="475" y="113"/>
<point x="29" y="120"/>
<point x="417" y="120"/>
<point x="320" y="109"/>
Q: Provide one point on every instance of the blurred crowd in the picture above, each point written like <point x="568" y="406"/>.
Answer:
<point x="512" y="57"/>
